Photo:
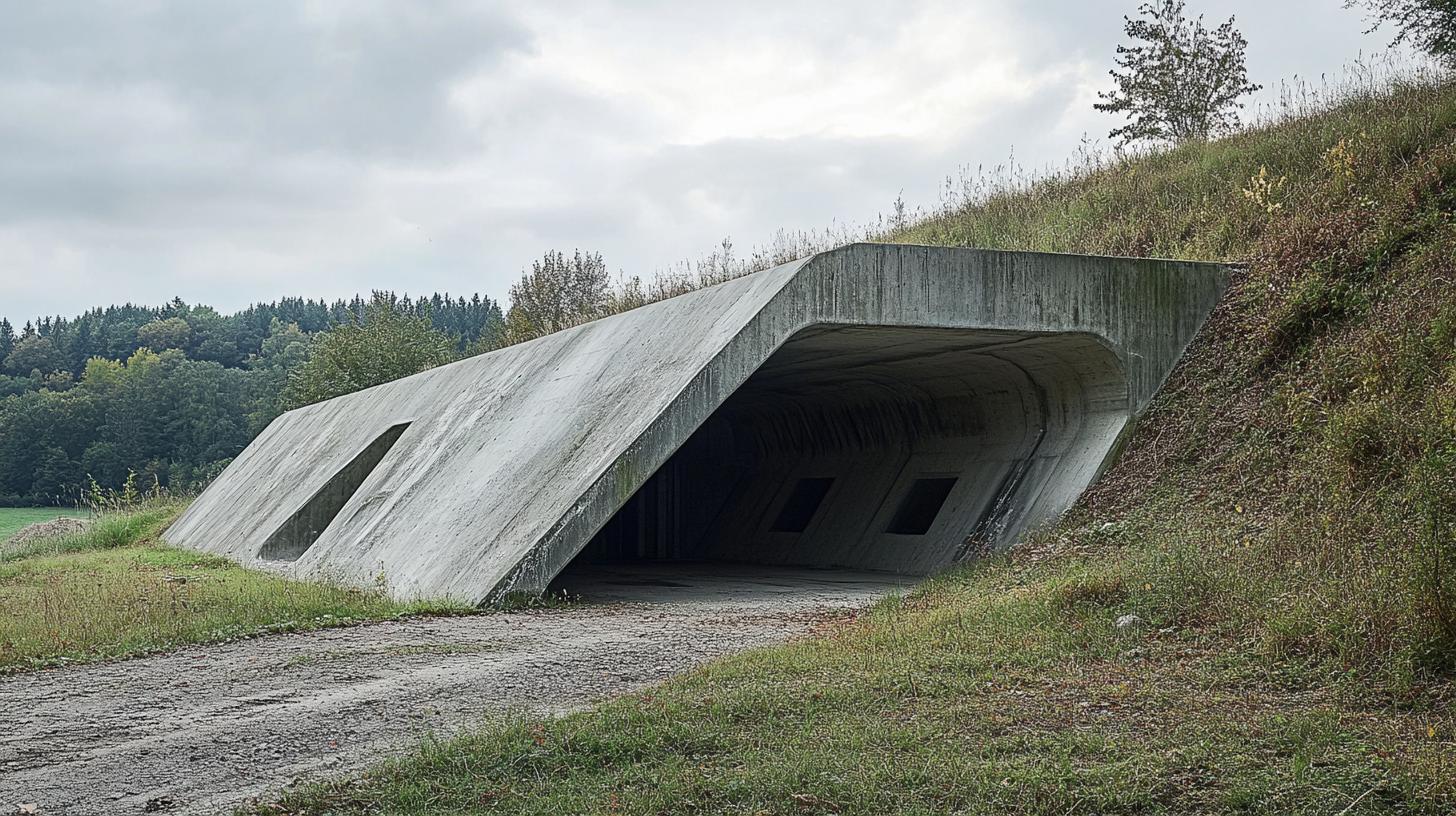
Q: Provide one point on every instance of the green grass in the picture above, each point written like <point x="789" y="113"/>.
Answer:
<point x="1282" y="521"/>
<point x="1300" y="464"/>
<point x="110" y="530"/>
<point x="1005" y="689"/>
<point x="14" y="519"/>
<point x="114" y="591"/>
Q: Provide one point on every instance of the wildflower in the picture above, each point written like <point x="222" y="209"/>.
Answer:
<point x="1264" y="190"/>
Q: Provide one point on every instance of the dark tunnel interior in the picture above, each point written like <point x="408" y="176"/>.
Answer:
<point x="871" y="448"/>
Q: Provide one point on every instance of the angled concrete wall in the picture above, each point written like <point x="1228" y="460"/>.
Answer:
<point x="874" y="366"/>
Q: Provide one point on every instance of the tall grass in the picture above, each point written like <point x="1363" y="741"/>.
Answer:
<point x="115" y="590"/>
<point x="1302" y="453"/>
<point x="108" y="530"/>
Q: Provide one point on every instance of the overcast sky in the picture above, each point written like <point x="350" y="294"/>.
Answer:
<point x="234" y="152"/>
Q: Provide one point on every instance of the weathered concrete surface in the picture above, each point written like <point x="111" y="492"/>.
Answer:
<point x="1015" y="374"/>
<point x="199" y="730"/>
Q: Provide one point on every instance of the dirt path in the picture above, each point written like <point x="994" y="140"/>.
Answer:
<point x="202" y="729"/>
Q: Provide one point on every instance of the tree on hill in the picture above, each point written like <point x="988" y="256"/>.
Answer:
<point x="558" y="293"/>
<point x="384" y="345"/>
<point x="165" y="333"/>
<point x="1179" y="81"/>
<point x="35" y="353"/>
<point x="285" y="349"/>
<point x="1429" y="25"/>
<point x="7" y="339"/>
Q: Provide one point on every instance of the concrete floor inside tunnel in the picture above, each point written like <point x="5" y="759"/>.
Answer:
<point x="876" y="451"/>
<point x="724" y="584"/>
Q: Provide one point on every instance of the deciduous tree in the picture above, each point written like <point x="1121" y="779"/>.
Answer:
<point x="558" y="292"/>
<point x="384" y="345"/>
<point x="1178" y="80"/>
<point x="165" y="333"/>
<point x="35" y="353"/>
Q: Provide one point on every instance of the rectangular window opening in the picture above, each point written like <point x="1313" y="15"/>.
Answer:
<point x="921" y="505"/>
<point x="802" y="504"/>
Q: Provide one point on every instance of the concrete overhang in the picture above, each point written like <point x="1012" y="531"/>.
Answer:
<point x="878" y="406"/>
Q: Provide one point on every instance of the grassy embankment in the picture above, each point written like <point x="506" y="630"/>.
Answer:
<point x="115" y="591"/>
<point x="14" y="519"/>
<point x="1282" y="522"/>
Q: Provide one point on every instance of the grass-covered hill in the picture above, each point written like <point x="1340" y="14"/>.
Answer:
<point x="1300" y="466"/>
<point x="1283" y="527"/>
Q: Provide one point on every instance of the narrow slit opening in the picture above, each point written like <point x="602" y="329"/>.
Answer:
<point x="293" y="538"/>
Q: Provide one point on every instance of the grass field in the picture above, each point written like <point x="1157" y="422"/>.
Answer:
<point x="1283" y="524"/>
<point x="115" y="591"/>
<point x="1005" y="690"/>
<point x="13" y="519"/>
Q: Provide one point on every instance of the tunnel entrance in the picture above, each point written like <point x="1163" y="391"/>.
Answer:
<point x="879" y="449"/>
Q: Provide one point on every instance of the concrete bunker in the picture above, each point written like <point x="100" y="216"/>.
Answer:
<point x="895" y="449"/>
<point x="874" y="407"/>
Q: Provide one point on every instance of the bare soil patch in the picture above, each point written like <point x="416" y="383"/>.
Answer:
<point x="54" y="528"/>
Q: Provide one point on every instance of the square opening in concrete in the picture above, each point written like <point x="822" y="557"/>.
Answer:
<point x="802" y="504"/>
<point x="921" y="505"/>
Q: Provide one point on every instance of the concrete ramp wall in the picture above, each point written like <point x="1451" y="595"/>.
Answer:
<point x="903" y="405"/>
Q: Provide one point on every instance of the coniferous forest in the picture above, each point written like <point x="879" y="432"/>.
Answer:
<point x="170" y="393"/>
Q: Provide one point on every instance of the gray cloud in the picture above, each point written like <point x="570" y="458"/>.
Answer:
<point x="229" y="153"/>
<point x="345" y="77"/>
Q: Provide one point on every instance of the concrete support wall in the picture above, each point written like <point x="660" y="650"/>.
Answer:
<point x="1017" y="372"/>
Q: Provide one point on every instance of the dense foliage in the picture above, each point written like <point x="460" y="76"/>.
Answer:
<point x="174" y="392"/>
<point x="1429" y="25"/>
<point x="559" y="292"/>
<point x="384" y="345"/>
<point x="1178" y="81"/>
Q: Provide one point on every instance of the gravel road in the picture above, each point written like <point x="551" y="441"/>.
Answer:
<point x="203" y="729"/>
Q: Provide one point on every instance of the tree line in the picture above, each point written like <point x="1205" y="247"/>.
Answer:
<point x="172" y="393"/>
<point x="57" y="344"/>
